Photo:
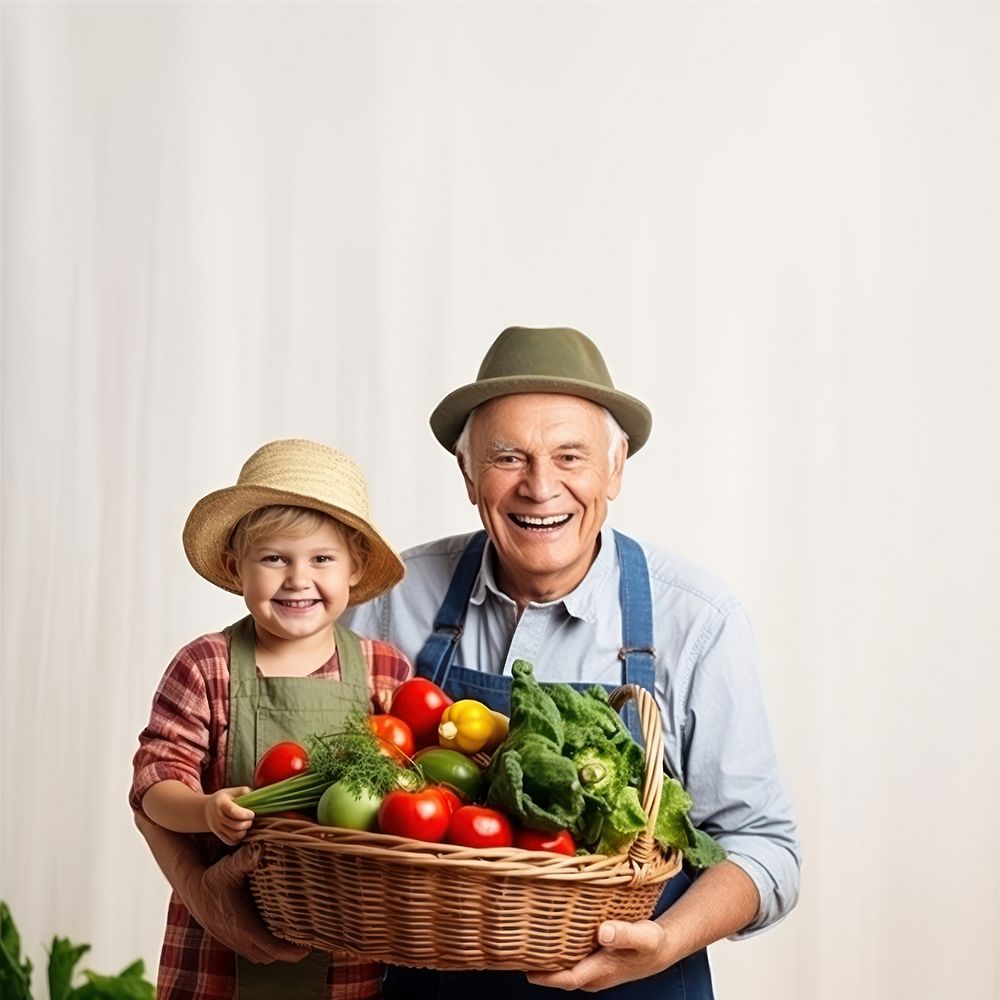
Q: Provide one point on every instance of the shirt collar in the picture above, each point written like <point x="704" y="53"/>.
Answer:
<point x="580" y="603"/>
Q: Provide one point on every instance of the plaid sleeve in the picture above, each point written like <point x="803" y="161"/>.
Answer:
<point x="387" y="669"/>
<point x="188" y="717"/>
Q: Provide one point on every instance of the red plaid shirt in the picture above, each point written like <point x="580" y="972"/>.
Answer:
<point x="186" y="740"/>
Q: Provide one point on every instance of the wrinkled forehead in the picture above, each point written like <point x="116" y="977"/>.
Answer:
<point x="552" y="418"/>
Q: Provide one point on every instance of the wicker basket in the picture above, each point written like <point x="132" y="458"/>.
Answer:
<point x="408" y="902"/>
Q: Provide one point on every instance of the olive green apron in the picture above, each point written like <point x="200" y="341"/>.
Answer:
<point x="263" y="711"/>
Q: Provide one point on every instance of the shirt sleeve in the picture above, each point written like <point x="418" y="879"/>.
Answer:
<point x="731" y="768"/>
<point x="388" y="668"/>
<point x="176" y="742"/>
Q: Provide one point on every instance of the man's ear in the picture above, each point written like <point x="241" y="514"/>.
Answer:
<point x="470" y="487"/>
<point x="617" y="470"/>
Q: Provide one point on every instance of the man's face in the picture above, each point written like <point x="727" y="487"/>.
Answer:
<point x="538" y="470"/>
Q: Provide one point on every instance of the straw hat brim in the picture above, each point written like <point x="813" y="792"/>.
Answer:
<point x="210" y="525"/>
<point x="450" y="415"/>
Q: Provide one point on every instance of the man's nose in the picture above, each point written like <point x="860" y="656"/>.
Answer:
<point x="539" y="482"/>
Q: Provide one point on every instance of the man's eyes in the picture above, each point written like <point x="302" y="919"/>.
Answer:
<point x="569" y="458"/>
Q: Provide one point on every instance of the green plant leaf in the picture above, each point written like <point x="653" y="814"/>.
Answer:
<point x="15" y="975"/>
<point x="63" y="957"/>
<point x="127" y="985"/>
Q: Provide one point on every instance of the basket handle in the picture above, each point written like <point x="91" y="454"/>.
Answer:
<point x="652" y="779"/>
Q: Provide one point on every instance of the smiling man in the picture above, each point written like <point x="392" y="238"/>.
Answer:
<point x="542" y="437"/>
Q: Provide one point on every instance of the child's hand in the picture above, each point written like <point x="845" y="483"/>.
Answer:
<point x="228" y="821"/>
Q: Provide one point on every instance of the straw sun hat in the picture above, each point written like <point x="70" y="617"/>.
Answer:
<point x="556" y="359"/>
<point x="301" y="474"/>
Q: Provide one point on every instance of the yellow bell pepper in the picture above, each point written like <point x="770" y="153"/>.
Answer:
<point x="469" y="726"/>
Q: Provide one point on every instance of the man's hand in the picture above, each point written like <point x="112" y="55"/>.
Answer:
<point x="721" y="901"/>
<point x="219" y="900"/>
<point x="218" y="896"/>
<point x="627" y="951"/>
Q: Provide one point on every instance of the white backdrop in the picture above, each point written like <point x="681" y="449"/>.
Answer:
<point x="226" y="223"/>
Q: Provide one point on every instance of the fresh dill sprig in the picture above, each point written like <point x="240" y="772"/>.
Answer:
<point x="355" y="757"/>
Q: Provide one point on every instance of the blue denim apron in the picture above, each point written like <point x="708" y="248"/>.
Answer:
<point x="689" y="979"/>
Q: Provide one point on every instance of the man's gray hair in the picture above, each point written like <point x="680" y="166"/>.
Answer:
<point x="616" y="437"/>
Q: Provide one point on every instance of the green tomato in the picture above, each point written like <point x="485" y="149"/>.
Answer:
<point x="449" y="767"/>
<point x="341" y="805"/>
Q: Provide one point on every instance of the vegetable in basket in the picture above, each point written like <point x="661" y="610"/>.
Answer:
<point x="283" y="760"/>
<point x="570" y="762"/>
<point x="418" y="815"/>
<point x="477" y="826"/>
<point x="471" y="727"/>
<point x="449" y="767"/>
<point x="420" y="703"/>
<point x="347" y="807"/>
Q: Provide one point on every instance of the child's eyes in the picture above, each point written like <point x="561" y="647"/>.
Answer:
<point x="273" y="560"/>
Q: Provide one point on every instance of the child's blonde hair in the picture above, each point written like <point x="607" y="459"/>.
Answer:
<point x="281" y="519"/>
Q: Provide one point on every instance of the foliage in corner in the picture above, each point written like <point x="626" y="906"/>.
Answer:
<point x="15" y="972"/>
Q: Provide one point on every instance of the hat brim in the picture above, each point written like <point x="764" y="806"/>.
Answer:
<point x="450" y="415"/>
<point x="210" y="525"/>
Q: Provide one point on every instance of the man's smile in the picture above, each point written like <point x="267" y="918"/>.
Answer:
<point x="540" y="523"/>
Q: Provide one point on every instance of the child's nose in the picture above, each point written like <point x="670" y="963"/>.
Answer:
<point x="298" y="578"/>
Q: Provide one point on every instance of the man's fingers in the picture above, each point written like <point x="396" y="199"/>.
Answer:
<point x="618" y="935"/>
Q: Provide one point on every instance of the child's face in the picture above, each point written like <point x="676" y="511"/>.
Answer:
<point x="297" y="587"/>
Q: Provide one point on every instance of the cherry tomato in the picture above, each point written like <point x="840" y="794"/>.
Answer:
<point x="477" y="826"/>
<point x="396" y="734"/>
<point x="419" y="815"/>
<point x="559" y="842"/>
<point x="283" y="760"/>
<point x="420" y="703"/>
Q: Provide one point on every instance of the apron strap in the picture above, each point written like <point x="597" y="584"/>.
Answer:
<point x="635" y="599"/>
<point x="241" y="744"/>
<point x="353" y="668"/>
<point x="434" y="660"/>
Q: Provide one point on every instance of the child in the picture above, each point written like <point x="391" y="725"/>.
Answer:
<point x="295" y="539"/>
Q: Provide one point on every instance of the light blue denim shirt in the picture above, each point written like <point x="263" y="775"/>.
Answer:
<point x="716" y="735"/>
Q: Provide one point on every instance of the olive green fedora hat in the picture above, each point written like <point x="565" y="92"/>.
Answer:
<point x="554" y="359"/>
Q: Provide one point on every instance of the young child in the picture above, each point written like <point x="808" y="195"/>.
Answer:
<point x="295" y="539"/>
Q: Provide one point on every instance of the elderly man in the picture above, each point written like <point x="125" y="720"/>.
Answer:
<point x="541" y="437"/>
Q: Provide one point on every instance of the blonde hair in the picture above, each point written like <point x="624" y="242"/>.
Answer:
<point x="282" y="519"/>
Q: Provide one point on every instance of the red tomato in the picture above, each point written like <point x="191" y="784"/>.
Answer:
<point x="394" y="732"/>
<point x="419" y="815"/>
<point x="283" y="760"/>
<point x="477" y="826"/>
<point x="451" y="797"/>
<point x="420" y="703"/>
<point x="559" y="842"/>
